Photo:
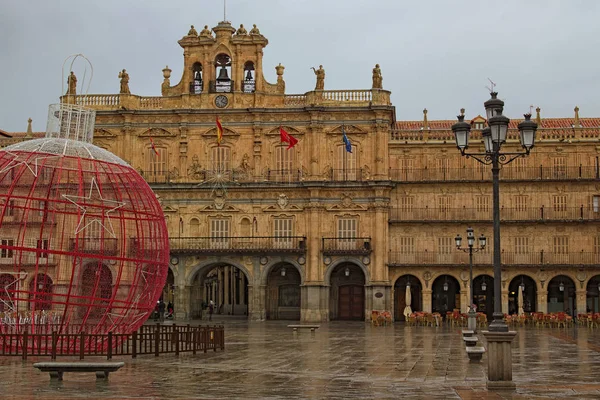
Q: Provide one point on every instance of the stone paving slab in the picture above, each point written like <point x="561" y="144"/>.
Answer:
<point x="345" y="360"/>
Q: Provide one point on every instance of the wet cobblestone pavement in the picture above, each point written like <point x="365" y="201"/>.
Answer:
<point x="340" y="360"/>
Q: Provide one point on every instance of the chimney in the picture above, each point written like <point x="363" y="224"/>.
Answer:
<point x="425" y="123"/>
<point x="538" y="118"/>
<point x="576" y="123"/>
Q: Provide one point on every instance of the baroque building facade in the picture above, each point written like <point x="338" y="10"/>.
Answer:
<point x="327" y="230"/>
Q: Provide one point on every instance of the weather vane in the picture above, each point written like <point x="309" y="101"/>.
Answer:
<point x="492" y="84"/>
<point x="530" y="108"/>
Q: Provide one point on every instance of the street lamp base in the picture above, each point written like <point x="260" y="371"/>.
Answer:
<point x="499" y="359"/>
<point x="498" y="324"/>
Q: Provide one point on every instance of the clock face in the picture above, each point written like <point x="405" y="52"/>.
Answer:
<point x="221" y="101"/>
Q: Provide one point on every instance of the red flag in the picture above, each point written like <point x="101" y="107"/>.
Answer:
<point x="153" y="146"/>
<point x="287" y="138"/>
<point x="219" y="132"/>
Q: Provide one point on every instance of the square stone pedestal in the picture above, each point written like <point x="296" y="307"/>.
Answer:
<point x="499" y="360"/>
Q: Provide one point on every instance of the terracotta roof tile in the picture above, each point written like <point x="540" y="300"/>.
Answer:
<point x="547" y="123"/>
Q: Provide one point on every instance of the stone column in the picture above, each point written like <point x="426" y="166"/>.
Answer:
<point x="542" y="300"/>
<point x="581" y="302"/>
<point x="315" y="302"/>
<point x="426" y="294"/>
<point x="183" y="302"/>
<point x="227" y="305"/>
<point x="505" y="301"/>
<point x="256" y="308"/>
<point x="464" y="300"/>
<point x="499" y="359"/>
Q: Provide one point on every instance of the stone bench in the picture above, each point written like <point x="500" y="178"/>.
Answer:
<point x="56" y="369"/>
<point x="470" y="341"/>
<point x="475" y="353"/>
<point x="311" y="327"/>
<point x="467" y="333"/>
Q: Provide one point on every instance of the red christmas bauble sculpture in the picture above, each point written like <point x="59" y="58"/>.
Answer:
<point x="83" y="239"/>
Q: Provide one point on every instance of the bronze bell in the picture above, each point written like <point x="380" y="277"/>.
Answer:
<point x="249" y="76"/>
<point x="223" y="75"/>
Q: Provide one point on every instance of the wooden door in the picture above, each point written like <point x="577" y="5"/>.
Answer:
<point x="351" y="302"/>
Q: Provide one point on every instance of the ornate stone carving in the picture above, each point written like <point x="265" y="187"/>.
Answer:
<point x="377" y="79"/>
<point x="282" y="201"/>
<point x="254" y="30"/>
<point x="206" y="32"/>
<point x="195" y="171"/>
<point x="320" y="73"/>
<point x="192" y="31"/>
<point x="72" y="84"/>
<point x="124" y="76"/>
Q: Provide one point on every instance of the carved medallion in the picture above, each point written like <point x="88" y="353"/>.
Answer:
<point x="282" y="201"/>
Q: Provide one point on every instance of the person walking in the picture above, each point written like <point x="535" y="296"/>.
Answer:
<point x="161" y="311"/>
<point x="211" y="309"/>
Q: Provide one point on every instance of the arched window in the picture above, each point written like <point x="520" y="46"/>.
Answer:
<point x="40" y="293"/>
<point x="196" y="84"/>
<point x="246" y="227"/>
<point x="249" y="85"/>
<point x="223" y="82"/>
<point x="194" y="227"/>
<point x="96" y="290"/>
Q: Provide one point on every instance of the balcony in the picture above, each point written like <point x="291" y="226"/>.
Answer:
<point x="346" y="246"/>
<point x="533" y="258"/>
<point x="510" y="173"/>
<point x="146" y="248"/>
<point x="238" y="244"/>
<point x="221" y="86"/>
<point x="93" y="245"/>
<point x="532" y="214"/>
<point x="28" y="259"/>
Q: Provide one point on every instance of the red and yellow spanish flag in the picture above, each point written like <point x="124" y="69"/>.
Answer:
<point x="219" y="132"/>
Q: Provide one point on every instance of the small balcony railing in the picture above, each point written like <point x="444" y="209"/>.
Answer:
<point x="221" y="86"/>
<point x="93" y="245"/>
<point x="196" y="87"/>
<point x="239" y="244"/>
<point x="249" y="86"/>
<point x="580" y="213"/>
<point x="509" y="173"/>
<point x="531" y="258"/>
<point x="343" y="245"/>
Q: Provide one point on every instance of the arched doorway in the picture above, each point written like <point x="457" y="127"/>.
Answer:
<point x="96" y="290"/>
<point x="283" y="292"/>
<point x="561" y="295"/>
<point x="593" y="296"/>
<point x="40" y="293"/>
<point x="347" y="293"/>
<point x="445" y="294"/>
<point x="225" y="285"/>
<point x="404" y="283"/>
<point x="483" y="295"/>
<point x="529" y="294"/>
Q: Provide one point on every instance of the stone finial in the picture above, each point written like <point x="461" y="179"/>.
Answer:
<point x="192" y="31"/>
<point x="279" y="68"/>
<point x="462" y="111"/>
<point x="166" y="72"/>
<point x="576" y="123"/>
<point x="538" y="117"/>
<point x="29" y="130"/>
<point x="425" y="122"/>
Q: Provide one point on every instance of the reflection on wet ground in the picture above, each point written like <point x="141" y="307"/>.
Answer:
<point x="339" y="360"/>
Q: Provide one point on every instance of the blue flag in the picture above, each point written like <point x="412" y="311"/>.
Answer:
<point x="347" y="141"/>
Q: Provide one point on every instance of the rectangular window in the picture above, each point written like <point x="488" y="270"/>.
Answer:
<point x="405" y="203"/>
<point x="407" y="172"/>
<point x="560" y="245"/>
<point x="444" y="204"/>
<point x="346" y="166"/>
<point x="597" y="245"/>
<point x="443" y="165"/>
<point x="42" y="208"/>
<point x="347" y="232"/>
<point x="445" y="245"/>
<point x="42" y="244"/>
<point x="219" y="234"/>
<point x="157" y="161"/>
<point x="521" y="245"/>
<point x="10" y="208"/>
<point x="221" y="159"/>
<point x="559" y="202"/>
<point x="520" y="203"/>
<point x="596" y="203"/>
<point x="284" y="164"/>
<point x="283" y="230"/>
<point x="5" y="251"/>
<point x="482" y="203"/>
<point x="406" y="245"/>
<point x="559" y="168"/>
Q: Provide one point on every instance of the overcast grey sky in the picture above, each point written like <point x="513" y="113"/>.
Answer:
<point x="433" y="54"/>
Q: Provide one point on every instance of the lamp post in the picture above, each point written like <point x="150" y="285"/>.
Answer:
<point x="472" y="324"/>
<point x="494" y="136"/>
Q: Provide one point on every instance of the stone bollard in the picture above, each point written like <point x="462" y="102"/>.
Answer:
<point x="499" y="360"/>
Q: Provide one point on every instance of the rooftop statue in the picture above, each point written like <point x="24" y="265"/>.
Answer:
<point x="320" y="73"/>
<point x="72" y="84"/>
<point x="254" y="30"/>
<point x="241" y="30"/>
<point x="377" y="78"/>
<point x="124" y="82"/>
<point x="192" y="32"/>
<point x="205" y="32"/>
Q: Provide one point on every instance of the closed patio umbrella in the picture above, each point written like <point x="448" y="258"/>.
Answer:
<point x="520" y="300"/>
<point x="407" y="309"/>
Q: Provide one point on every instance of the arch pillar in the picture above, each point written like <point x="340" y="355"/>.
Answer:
<point x="505" y="301"/>
<point x="581" y="301"/>
<point x="314" y="303"/>
<point x="426" y="293"/>
<point x="464" y="299"/>
<point x="183" y="301"/>
<point x="257" y="298"/>
<point x="542" y="299"/>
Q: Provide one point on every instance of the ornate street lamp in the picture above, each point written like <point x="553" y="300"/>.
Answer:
<point x="561" y="287"/>
<point x="493" y="139"/>
<point x="471" y="249"/>
<point x="347" y="271"/>
<point x="483" y="285"/>
<point x="283" y="271"/>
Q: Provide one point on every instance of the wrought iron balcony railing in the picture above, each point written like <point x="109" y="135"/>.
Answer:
<point x="581" y="213"/>
<point x="221" y="86"/>
<point x="344" y="245"/>
<point x="93" y="245"/>
<point x="238" y="244"/>
<point x="510" y="173"/>
<point x="28" y="259"/>
<point x="532" y="258"/>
